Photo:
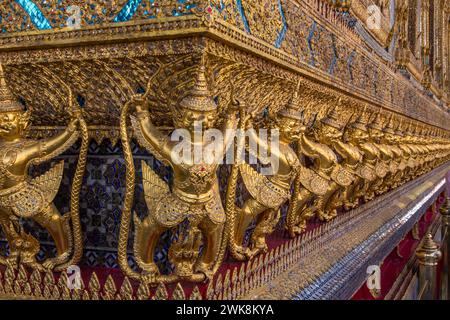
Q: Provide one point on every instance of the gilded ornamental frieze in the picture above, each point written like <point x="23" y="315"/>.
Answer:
<point x="295" y="35"/>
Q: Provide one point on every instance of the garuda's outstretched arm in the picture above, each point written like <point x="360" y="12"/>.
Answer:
<point x="149" y="136"/>
<point x="229" y="128"/>
<point x="264" y="148"/>
<point x="47" y="149"/>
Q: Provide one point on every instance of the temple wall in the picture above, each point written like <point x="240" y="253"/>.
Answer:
<point x="268" y="53"/>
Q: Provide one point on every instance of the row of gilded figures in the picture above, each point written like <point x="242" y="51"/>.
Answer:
<point x="352" y="158"/>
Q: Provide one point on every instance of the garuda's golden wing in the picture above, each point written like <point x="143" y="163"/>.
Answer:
<point x="381" y="169"/>
<point x="50" y="181"/>
<point x="342" y="176"/>
<point x="366" y="172"/>
<point x="34" y="196"/>
<point x="162" y="204"/>
<point x="261" y="188"/>
<point x="313" y="182"/>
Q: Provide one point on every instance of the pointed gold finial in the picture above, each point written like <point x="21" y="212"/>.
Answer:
<point x="293" y="107"/>
<point x="7" y="101"/>
<point x="332" y="118"/>
<point x="376" y="122"/>
<point x="199" y="99"/>
<point x="428" y="253"/>
<point x="445" y="207"/>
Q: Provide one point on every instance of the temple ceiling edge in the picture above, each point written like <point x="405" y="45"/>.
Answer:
<point x="356" y="165"/>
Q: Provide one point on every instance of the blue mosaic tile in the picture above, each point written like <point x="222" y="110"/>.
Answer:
<point x="36" y="15"/>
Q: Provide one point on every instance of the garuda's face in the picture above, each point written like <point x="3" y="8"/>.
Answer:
<point x="194" y="120"/>
<point x="291" y="129"/>
<point x="398" y="137"/>
<point x="389" y="137"/>
<point x="357" y="135"/>
<point x="328" y="132"/>
<point x="12" y="124"/>
<point x="375" y="133"/>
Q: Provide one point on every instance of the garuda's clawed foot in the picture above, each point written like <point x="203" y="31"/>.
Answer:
<point x="33" y="264"/>
<point x="241" y="253"/>
<point x="257" y="246"/>
<point x="369" y="197"/>
<point x="10" y="261"/>
<point x="332" y="214"/>
<point x="324" y="216"/>
<point x="149" y="278"/>
<point x="149" y="268"/>
<point x="150" y="273"/>
<point x="205" y="269"/>
<point x="297" y="229"/>
<point x="327" y="216"/>
<point x="348" y="205"/>
<point x="51" y="263"/>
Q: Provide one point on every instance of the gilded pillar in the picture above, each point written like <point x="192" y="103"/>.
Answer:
<point x="412" y="25"/>
<point x="428" y="255"/>
<point x="438" y="39"/>
<point x="401" y="16"/>
<point x="425" y="43"/>
<point x="446" y="46"/>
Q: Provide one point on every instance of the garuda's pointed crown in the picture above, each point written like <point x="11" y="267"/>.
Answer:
<point x="199" y="98"/>
<point x="377" y="122"/>
<point x="399" y="130"/>
<point x="7" y="101"/>
<point x="361" y="121"/>
<point x="390" y="126"/>
<point x="332" y="118"/>
<point x="293" y="107"/>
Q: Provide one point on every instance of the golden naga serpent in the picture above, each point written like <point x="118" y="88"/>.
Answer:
<point x="76" y="190"/>
<point x="230" y="204"/>
<point x="293" y="201"/>
<point x="129" y="194"/>
<point x="130" y="178"/>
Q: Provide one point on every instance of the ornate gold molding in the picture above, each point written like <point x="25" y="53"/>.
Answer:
<point x="108" y="41"/>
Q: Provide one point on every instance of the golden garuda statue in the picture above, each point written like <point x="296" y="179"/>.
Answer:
<point x="23" y="196"/>
<point x="315" y="186"/>
<point x="397" y="164"/>
<point x="268" y="192"/>
<point x="382" y="168"/>
<point x="421" y="150"/>
<point x="346" y="146"/>
<point x="192" y="198"/>
<point x="356" y="134"/>
<point x="407" y="152"/>
<point x="328" y="136"/>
